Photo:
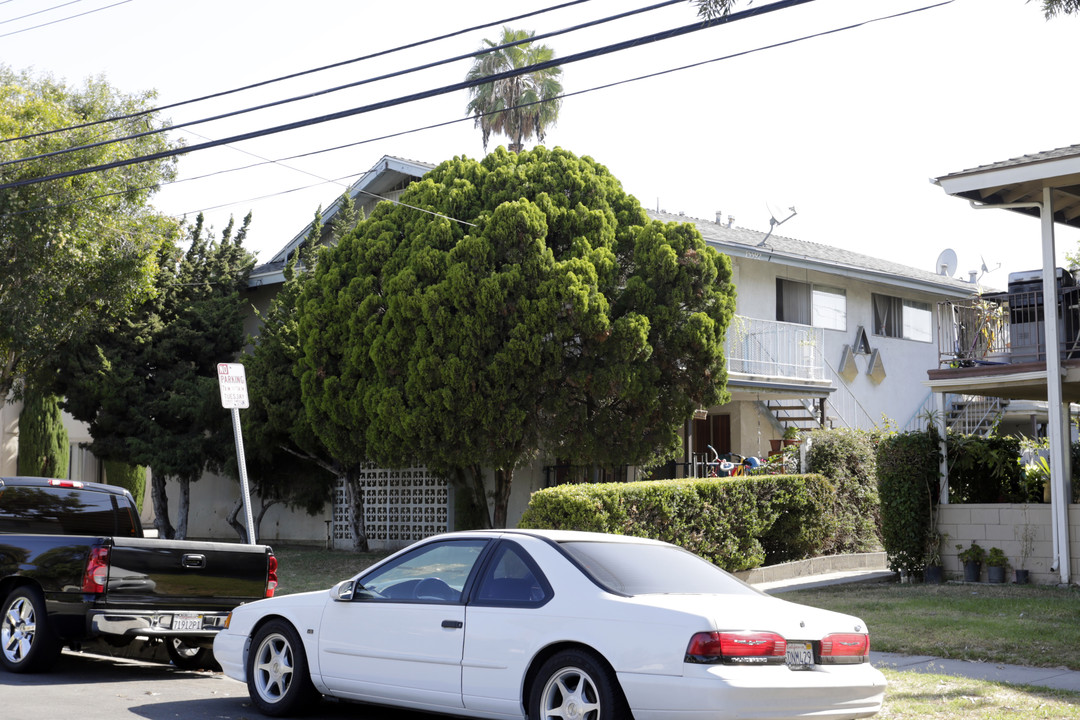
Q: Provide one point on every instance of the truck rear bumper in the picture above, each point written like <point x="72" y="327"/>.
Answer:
<point x="156" y="623"/>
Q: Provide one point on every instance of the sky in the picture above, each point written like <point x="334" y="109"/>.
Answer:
<point x="847" y="127"/>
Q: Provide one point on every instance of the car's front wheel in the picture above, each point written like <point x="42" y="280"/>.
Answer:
<point x="27" y="640"/>
<point x="576" y="684"/>
<point x="277" y="671"/>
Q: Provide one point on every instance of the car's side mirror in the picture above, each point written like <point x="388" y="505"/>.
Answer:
<point x="343" y="591"/>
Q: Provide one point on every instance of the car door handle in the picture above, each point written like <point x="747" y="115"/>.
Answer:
<point x="452" y="624"/>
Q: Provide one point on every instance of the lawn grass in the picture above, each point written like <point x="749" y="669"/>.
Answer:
<point x="919" y="696"/>
<point x="304" y="568"/>
<point x="1030" y="625"/>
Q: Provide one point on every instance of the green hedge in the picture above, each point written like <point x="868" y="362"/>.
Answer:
<point x="737" y="523"/>
<point x="908" y="481"/>
<point x="847" y="457"/>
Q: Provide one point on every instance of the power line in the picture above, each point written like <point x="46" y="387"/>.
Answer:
<point x="445" y="123"/>
<point x="39" y="12"/>
<point x="358" y="83"/>
<point x="595" y="88"/>
<point x="63" y="19"/>
<point x="302" y="73"/>
<point x="423" y="95"/>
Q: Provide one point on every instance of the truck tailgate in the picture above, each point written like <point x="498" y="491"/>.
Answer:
<point x="183" y="573"/>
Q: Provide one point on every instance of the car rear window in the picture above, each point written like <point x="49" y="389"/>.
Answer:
<point x="62" y="511"/>
<point x="639" y="569"/>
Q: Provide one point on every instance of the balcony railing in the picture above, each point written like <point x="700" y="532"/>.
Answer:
<point x="1006" y="328"/>
<point x="774" y="349"/>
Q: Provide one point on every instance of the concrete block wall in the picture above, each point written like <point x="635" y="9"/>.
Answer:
<point x="1003" y="526"/>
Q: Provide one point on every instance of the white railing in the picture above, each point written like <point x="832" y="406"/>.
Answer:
<point x="774" y="349"/>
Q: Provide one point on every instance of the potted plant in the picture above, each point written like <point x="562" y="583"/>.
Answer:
<point x="932" y="572"/>
<point x="791" y="435"/>
<point x="996" y="565"/>
<point x="972" y="559"/>
<point x="1025" y="534"/>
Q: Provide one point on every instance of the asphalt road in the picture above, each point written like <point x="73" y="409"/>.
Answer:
<point x="92" y="687"/>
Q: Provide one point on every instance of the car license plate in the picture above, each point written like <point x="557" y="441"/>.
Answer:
<point x="800" y="656"/>
<point x="187" y="622"/>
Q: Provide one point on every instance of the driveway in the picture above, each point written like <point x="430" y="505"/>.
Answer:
<point x="92" y="687"/>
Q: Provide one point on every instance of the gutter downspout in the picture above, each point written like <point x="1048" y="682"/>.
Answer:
<point x="1060" y="456"/>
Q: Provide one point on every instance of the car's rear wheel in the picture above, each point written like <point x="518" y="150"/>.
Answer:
<point x="277" y="671"/>
<point x="27" y="640"/>
<point x="189" y="657"/>
<point x="576" y="684"/>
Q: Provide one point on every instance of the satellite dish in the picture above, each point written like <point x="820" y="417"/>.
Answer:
<point x="775" y="213"/>
<point x="946" y="263"/>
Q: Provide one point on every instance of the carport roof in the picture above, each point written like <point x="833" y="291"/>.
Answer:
<point x="1021" y="180"/>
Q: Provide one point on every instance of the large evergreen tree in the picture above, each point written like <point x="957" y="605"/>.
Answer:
<point x="44" y="450"/>
<point x="286" y="460"/>
<point x="532" y="306"/>
<point x="149" y="389"/>
<point x="79" y="250"/>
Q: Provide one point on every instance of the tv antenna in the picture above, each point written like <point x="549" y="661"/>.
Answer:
<point x="983" y="270"/>
<point x="774" y="213"/>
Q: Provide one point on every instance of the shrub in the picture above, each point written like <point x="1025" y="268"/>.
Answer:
<point x="130" y="477"/>
<point x="43" y="440"/>
<point x="985" y="470"/>
<point x="847" y="458"/>
<point x="908" y="482"/>
<point x="737" y="523"/>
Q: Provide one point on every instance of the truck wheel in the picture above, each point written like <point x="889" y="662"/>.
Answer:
<point x="575" y="684"/>
<point x="277" y="671"/>
<point x="189" y="657"/>
<point x="27" y="641"/>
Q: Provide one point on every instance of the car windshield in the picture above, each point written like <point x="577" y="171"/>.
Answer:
<point x="639" y="569"/>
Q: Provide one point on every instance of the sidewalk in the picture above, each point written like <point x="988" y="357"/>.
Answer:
<point x="800" y="576"/>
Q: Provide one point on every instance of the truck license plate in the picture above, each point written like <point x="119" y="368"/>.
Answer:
<point x="800" y="656"/>
<point x="190" y="622"/>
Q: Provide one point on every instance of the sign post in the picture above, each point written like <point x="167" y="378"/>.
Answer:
<point x="232" y="382"/>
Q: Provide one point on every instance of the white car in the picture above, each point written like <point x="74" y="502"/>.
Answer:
<point x="550" y="624"/>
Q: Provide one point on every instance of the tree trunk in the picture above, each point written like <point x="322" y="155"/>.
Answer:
<point x="234" y="522"/>
<point x="264" y="505"/>
<point x="354" y="498"/>
<point x="161" y="506"/>
<point x="182" y="510"/>
<point x="472" y="511"/>
<point x="503" y="480"/>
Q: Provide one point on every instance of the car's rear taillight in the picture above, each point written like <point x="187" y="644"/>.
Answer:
<point x="271" y="575"/>
<point x="66" y="483"/>
<point x="737" y="648"/>
<point x="845" y="648"/>
<point x="96" y="576"/>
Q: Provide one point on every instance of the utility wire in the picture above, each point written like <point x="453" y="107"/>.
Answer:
<point x="343" y="179"/>
<point x="588" y="54"/>
<point x="69" y="17"/>
<point x="358" y="83"/>
<point x="39" y="12"/>
<point x="302" y="73"/>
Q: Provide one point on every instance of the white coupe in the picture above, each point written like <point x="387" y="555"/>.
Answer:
<point x="548" y="624"/>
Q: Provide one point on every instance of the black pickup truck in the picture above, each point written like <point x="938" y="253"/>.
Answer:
<point x="75" y="567"/>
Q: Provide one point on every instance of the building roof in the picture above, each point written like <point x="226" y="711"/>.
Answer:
<point x="1017" y="183"/>
<point x="755" y="245"/>
<point x="388" y="174"/>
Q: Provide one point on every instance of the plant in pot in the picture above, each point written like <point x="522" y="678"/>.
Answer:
<point x="972" y="558"/>
<point x="996" y="565"/>
<point x="932" y="572"/>
<point x="791" y="435"/>
<point x="1025" y="534"/>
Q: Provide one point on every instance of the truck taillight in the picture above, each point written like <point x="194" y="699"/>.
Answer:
<point x="844" y="648"/>
<point x="66" y="483"/>
<point x="749" y="647"/>
<point x="271" y="575"/>
<point x="97" y="571"/>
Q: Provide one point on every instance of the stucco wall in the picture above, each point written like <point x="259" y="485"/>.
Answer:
<point x="1003" y="526"/>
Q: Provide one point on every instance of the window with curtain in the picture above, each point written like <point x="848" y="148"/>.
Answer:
<point x="900" y="318"/>
<point x="818" y="305"/>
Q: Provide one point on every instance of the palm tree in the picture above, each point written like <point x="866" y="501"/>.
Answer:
<point x="518" y="107"/>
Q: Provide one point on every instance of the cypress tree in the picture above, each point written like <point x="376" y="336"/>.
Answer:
<point x="43" y="439"/>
